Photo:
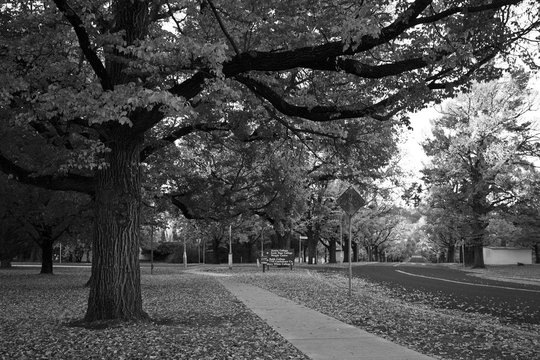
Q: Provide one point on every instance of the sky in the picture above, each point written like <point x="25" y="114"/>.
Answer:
<point x="413" y="156"/>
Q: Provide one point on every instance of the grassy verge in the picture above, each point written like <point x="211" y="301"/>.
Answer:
<point x="446" y="334"/>
<point x="194" y="317"/>
<point x="524" y="274"/>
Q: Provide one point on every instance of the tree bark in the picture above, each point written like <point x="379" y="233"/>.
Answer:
<point x="115" y="289"/>
<point x="451" y="253"/>
<point x="332" y="251"/>
<point x="355" y="252"/>
<point x="216" y="248"/>
<point x="46" y="245"/>
<point x="478" y="227"/>
<point x="478" y="256"/>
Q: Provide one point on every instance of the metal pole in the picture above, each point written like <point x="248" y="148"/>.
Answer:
<point x="463" y="253"/>
<point x="151" y="249"/>
<point x="198" y="251"/>
<point x="300" y="249"/>
<point x="350" y="263"/>
<point x="185" y="254"/>
<point x="230" y="247"/>
<point x="341" y="236"/>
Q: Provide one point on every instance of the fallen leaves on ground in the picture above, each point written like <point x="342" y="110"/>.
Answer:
<point x="193" y="317"/>
<point x="446" y="334"/>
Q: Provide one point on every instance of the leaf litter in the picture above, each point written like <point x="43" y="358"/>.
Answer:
<point x="424" y="327"/>
<point x="193" y="317"/>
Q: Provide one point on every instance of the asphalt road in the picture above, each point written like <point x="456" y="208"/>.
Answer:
<point x="453" y="289"/>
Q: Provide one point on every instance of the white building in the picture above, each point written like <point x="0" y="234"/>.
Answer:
<point x="506" y="255"/>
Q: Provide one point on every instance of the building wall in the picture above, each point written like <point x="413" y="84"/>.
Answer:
<point x="507" y="256"/>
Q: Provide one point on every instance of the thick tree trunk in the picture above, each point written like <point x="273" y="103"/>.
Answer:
<point x="46" y="245"/>
<point x="478" y="227"/>
<point x="478" y="257"/>
<point x="115" y="289"/>
<point x="537" y="253"/>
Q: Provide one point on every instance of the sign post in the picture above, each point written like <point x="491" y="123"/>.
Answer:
<point x="350" y="201"/>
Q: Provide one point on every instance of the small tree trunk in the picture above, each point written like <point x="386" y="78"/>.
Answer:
<point x="537" y="253"/>
<point x="312" y="242"/>
<point x="216" y="248"/>
<point x="46" y="245"/>
<point x="355" y="252"/>
<point x="115" y="289"/>
<point x="451" y="253"/>
<point x="332" y="252"/>
<point x="5" y="263"/>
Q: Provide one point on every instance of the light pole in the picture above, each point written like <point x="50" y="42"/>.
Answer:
<point x="152" y="249"/>
<point x="198" y="251"/>
<point x="262" y="241"/>
<point x="350" y="251"/>
<point x="185" y="254"/>
<point x="230" y="247"/>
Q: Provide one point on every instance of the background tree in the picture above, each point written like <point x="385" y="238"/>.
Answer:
<point x="106" y="80"/>
<point x="480" y="146"/>
<point x="13" y="239"/>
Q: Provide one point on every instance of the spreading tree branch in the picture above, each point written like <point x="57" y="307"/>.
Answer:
<point x="318" y="113"/>
<point x="85" y="44"/>
<point x="71" y="182"/>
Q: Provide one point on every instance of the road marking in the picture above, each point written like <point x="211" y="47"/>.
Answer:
<point x="465" y="283"/>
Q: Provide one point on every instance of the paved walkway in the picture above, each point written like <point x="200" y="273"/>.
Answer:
<point x="315" y="334"/>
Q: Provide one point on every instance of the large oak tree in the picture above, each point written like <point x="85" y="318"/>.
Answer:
<point x="481" y="151"/>
<point x="111" y="82"/>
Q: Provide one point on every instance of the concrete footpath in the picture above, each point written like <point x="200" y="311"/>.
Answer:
<point x="317" y="335"/>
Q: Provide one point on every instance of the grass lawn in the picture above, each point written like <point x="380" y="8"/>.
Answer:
<point x="194" y="317"/>
<point x="515" y="273"/>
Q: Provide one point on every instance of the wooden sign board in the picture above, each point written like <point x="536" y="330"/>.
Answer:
<point x="278" y="257"/>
